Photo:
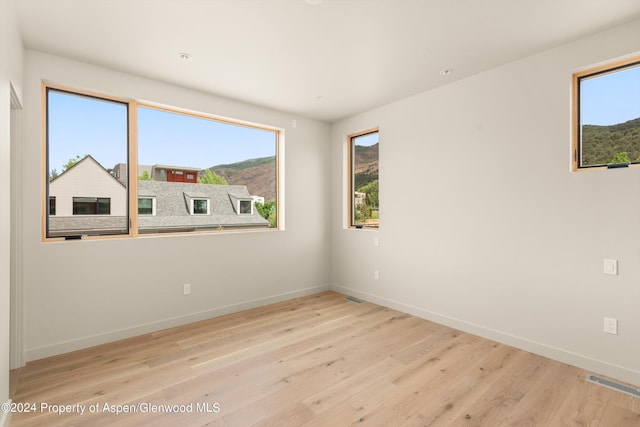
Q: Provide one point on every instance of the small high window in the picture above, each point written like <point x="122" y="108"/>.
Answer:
<point x="52" y="205"/>
<point x="607" y="116"/>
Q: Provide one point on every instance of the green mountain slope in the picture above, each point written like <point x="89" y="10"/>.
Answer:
<point x="601" y="143"/>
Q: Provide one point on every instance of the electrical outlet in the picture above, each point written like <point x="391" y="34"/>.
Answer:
<point x="186" y="289"/>
<point x="610" y="326"/>
<point x="376" y="274"/>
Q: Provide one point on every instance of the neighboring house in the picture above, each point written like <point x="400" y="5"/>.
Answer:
<point x="174" y="173"/>
<point x="159" y="173"/>
<point x="87" y="199"/>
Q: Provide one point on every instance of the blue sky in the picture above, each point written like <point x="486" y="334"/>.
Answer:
<point x="79" y="125"/>
<point x="367" y="140"/>
<point x="612" y="98"/>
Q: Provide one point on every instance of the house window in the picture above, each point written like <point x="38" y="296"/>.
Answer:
<point x="607" y="116"/>
<point x="245" y="206"/>
<point x="363" y="180"/>
<point x="199" y="207"/>
<point x="86" y="137"/>
<point x="146" y="205"/>
<point x="91" y="206"/>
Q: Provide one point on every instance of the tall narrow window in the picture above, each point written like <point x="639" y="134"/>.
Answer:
<point x="607" y="116"/>
<point x="86" y="137"/>
<point x="197" y="166"/>
<point x="364" y="206"/>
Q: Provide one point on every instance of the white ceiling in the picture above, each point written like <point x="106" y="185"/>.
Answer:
<point x="285" y="54"/>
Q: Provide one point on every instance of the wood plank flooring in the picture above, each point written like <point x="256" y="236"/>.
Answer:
<point x="313" y="361"/>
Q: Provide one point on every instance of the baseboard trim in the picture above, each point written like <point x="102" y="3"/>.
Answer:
<point x="89" y="341"/>
<point x="619" y="373"/>
<point x="5" y="417"/>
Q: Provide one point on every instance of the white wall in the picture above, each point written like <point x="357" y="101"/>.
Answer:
<point x="79" y="293"/>
<point x="484" y="227"/>
<point x="10" y="75"/>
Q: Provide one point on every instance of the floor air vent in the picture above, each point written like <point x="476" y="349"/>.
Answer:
<point x="614" y="385"/>
<point x="353" y="300"/>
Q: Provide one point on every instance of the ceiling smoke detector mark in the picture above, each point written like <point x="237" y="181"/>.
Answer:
<point x="184" y="56"/>
<point x="446" y="72"/>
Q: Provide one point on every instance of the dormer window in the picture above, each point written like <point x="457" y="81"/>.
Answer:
<point x="197" y="203"/>
<point x="146" y="205"/>
<point x="200" y="207"/>
<point x="245" y="207"/>
<point x="242" y="205"/>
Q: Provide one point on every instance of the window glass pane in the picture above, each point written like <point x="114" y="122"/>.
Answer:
<point x="610" y="117"/>
<point x="191" y="162"/>
<point x="86" y="138"/>
<point x="52" y="205"/>
<point x="245" y="206"/>
<point x="91" y="206"/>
<point x="199" y="207"/>
<point x="364" y="181"/>
<point x="145" y="206"/>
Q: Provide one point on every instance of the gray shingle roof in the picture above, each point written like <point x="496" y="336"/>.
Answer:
<point x="172" y="209"/>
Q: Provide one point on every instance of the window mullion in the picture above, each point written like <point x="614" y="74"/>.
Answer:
<point x="132" y="175"/>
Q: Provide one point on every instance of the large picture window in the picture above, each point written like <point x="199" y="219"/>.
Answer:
<point x="197" y="167"/>
<point x="364" y="206"/>
<point x="194" y="172"/>
<point x="607" y="116"/>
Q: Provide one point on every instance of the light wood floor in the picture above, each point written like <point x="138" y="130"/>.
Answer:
<point x="316" y="361"/>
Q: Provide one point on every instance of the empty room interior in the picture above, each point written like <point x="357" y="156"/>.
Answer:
<point x="320" y="212"/>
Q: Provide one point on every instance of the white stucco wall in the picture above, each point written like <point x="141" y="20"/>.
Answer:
<point x="79" y="293"/>
<point x="503" y="240"/>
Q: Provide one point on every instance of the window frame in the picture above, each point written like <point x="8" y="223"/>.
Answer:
<point x="99" y="201"/>
<point x="153" y="205"/>
<point x="132" y="165"/>
<point x="351" y="201"/>
<point x="192" y="207"/>
<point x="46" y="234"/>
<point x="240" y="201"/>
<point x="576" y="126"/>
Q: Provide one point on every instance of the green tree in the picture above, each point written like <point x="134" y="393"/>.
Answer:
<point x="621" y="157"/>
<point x="145" y="176"/>
<point x="210" y="177"/>
<point x="72" y="161"/>
<point x="371" y="190"/>
<point x="54" y="174"/>
<point x="268" y="211"/>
